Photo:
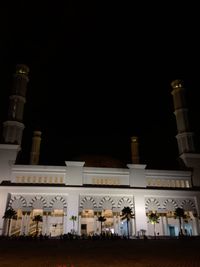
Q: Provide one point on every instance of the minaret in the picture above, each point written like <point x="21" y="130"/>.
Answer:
<point x="135" y="150"/>
<point x="35" y="150"/>
<point x="13" y="127"/>
<point x="184" y="137"/>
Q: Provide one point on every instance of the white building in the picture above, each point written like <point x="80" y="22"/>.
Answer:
<point x="57" y="193"/>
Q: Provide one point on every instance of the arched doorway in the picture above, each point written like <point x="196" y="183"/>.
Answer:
<point x="56" y="223"/>
<point x="88" y="222"/>
<point x="35" y="227"/>
<point x="15" y="226"/>
<point x="108" y="225"/>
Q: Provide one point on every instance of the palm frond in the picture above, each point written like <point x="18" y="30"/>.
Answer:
<point x="10" y="214"/>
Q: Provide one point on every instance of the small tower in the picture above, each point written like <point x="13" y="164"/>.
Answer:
<point x="35" y="150"/>
<point x="135" y="150"/>
<point x="184" y="137"/>
<point x="13" y="127"/>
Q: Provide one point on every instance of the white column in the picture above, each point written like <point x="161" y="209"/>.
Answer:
<point x="183" y="225"/>
<point x="5" y="227"/>
<point x="3" y="203"/>
<point x="23" y="224"/>
<point x="10" y="227"/>
<point x="115" y="224"/>
<point x="133" y="233"/>
<point x="95" y="224"/>
<point x="162" y="226"/>
<point x="44" y="223"/>
<point x="27" y="223"/>
<point x="48" y="216"/>
<point x="72" y="210"/>
<point x="65" y="223"/>
<point x="98" y="227"/>
<point x="119" y="224"/>
<point x="79" y="225"/>
<point x="140" y="213"/>
<point x="62" y="225"/>
<point x="165" y="225"/>
<point x="195" y="226"/>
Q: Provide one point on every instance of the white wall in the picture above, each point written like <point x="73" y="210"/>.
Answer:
<point x="8" y="154"/>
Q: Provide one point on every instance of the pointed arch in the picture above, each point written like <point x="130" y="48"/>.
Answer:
<point x="38" y="202"/>
<point x="152" y="204"/>
<point x="170" y="204"/>
<point x="17" y="202"/>
<point x="188" y="205"/>
<point x="88" y="202"/>
<point x="107" y="203"/>
<point x="125" y="201"/>
<point x="58" y="202"/>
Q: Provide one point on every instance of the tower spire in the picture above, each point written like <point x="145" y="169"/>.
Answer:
<point x="184" y="136"/>
<point x="13" y="127"/>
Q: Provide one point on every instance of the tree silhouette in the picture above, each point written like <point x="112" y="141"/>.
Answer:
<point x="73" y="219"/>
<point x="37" y="219"/>
<point x="101" y="219"/>
<point x="153" y="219"/>
<point x="9" y="215"/>
<point x="180" y="213"/>
<point x="127" y="214"/>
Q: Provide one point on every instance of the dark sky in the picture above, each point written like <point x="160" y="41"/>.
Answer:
<point x="100" y="74"/>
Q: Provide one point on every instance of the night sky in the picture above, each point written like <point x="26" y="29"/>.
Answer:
<point x="100" y="74"/>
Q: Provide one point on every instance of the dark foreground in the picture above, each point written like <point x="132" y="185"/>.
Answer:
<point x="96" y="253"/>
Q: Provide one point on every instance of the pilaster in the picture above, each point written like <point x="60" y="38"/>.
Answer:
<point x="140" y="213"/>
<point x="72" y="210"/>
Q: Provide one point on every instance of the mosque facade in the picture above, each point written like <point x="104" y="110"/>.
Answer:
<point x="71" y="198"/>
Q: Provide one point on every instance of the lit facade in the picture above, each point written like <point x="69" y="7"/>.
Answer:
<point x="59" y="192"/>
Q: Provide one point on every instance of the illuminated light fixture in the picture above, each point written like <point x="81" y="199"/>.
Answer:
<point x="21" y="71"/>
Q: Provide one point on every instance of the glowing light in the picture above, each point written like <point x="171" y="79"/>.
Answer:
<point x="21" y="71"/>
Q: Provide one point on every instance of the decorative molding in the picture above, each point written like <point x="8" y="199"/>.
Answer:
<point x="171" y="201"/>
<point x="107" y="198"/>
<point x="88" y="199"/>
<point x="38" y="198"/>
<point x="125" y="199"/>
<point x="56" y="199"/>
<point x="19" y="199"/>
<point x="151" y="201"/>
<point x="188" y="203"/>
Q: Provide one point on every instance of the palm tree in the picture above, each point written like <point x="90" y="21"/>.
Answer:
<point x="180" y="213"/>
<point x="73" y="219"/>
<point x="37" y="219"/>
<point x="101" y="219"/>
<point x="153" y="219"/>
<point x="127" y="214"/>
<point x="10" y="214"/>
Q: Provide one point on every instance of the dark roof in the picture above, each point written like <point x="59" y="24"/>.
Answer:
<point x="101" y="161"/>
